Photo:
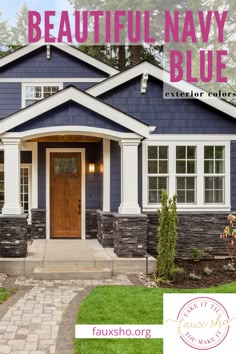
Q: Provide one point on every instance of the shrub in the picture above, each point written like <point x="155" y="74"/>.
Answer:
<point x="167" y="237"/>
<point x="197" y="254"/>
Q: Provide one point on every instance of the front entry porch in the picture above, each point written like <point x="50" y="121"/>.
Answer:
<point x="67" y="199"/>
<point x="74" y="256"/>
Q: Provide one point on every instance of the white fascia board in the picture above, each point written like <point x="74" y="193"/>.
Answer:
<point x="64" y="47"/>
<point x="81" y="98"/>
<point x="52" y="80"/>
<point x="163" y="76"/>
<point x="69" y="130"/>
<point x="118" y="80"/>
<point x="189" y="137"/>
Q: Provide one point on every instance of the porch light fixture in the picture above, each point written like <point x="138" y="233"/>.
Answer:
<point x="91" y="167"/>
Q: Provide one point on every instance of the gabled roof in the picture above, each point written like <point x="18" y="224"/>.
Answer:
<point x="78" y="54"/>
<point x="72" y="93"/>
<point x="162" y="75"/>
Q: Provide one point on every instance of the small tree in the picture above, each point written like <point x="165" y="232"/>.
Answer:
<point x="167" y="237"/>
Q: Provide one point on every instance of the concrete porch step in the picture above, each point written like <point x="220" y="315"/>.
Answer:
<point x="72" y="273"/>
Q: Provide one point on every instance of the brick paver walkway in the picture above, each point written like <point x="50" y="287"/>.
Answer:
<point x="31" y="325"/>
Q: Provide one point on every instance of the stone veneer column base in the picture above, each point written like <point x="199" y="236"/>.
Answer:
<point x="13" y="235"/>
<point x="105" y="228"/>
<point x="130" y="235"/>
<point x="38" y="221"/>
<point x="201" y="230"/>
<point x="91" y="224"/>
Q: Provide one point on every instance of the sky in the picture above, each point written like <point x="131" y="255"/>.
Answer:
<point x="9" y="8"/>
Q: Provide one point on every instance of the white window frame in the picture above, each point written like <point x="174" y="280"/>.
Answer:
<point x="199" y="205"/>
<point x="36" y="83"/>
<point x="29" y="167"/>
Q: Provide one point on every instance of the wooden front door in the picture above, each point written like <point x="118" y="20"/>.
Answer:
<point x="65" y="195"/>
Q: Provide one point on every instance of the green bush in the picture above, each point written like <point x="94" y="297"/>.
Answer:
<point x="167" y="237"/>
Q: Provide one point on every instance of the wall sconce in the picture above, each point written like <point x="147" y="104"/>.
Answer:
<point x="101" y="168"/>
<point x="91" y="167"/>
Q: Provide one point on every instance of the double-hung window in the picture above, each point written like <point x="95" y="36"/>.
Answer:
<point x="197" y="172"/>
<point x="25" y="187"/>
<point x="214" y="174"/>
<point x="32" y="93"/>
<point x="186" y="174"/>
<point x="157" y="172"/>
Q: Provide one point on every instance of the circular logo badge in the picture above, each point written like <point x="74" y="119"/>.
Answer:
<point x="203" y="323"/>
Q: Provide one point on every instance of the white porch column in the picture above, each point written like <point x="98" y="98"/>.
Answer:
<point x="34" y="175"/>
<point x="12" y="204"/>
<point x="129" y="177"/>
<point x="106" y="175"/>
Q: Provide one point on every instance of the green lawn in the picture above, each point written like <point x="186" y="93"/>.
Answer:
<point x="127" y="305"/>
<point x="4" y="294"/>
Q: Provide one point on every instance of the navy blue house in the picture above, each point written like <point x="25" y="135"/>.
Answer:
<point x="86" y="151"/>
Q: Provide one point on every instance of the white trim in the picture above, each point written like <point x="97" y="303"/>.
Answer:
<point x="73" y="94"/>
<point x="52" y="80"/>
<point x="36" y="83"/>
<point x="191" y="137"/>
<point x="129" y="177"/>
<point x="83" y="194"/>
<point x="106" y="175"/>
<point x="70" y="130"/>
<point x="163" y="76"/>
<point x="35" y="175"/>
<point x="199" y="205"/>
<point x="29" y="167"/>
<point x="78" y="54"/>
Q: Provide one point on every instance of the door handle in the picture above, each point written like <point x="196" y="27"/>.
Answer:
<point x="79" y="206"/>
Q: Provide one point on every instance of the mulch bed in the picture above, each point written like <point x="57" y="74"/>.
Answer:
<point x="218" y="276"/>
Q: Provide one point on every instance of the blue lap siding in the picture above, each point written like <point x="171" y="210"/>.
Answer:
<point x="170" y="116"/>
<point x="10" y="98"/>
<point x="60" y="65"/>
<point x="115" y="176"/>
<point x="70" y="114"/>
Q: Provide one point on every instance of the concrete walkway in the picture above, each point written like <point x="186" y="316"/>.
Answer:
<point x="32" y="324"/>
<point x="78" y="254"/>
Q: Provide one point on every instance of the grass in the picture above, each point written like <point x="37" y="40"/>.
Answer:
<point x="127" y="305"/>
<point x="4" y="294"/>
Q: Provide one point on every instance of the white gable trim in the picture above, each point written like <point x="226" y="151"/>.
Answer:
<point x="164" y="76"/>
<point x="68" y="130"/>
<point x="78" y="54"/>
<point x="72" y="94"/>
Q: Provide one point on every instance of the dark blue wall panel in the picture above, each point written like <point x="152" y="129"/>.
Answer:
<point x="10" y="98"/>
<point x="70" y="113"/>
<point x="36" y="65"/>
<point x="170" y="116"/>
<point x="25" y="157"/>
<point x="115" y="176"/>
<point x="93" y="181"/>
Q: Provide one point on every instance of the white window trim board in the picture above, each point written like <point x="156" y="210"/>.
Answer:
<point x="36" y="83"/>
